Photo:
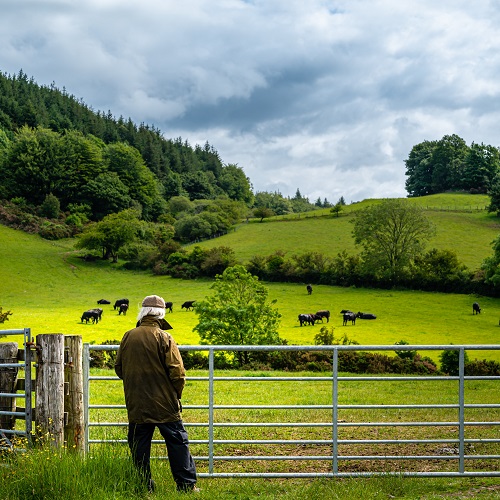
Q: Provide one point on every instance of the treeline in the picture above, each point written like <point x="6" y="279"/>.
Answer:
<point x="54" y="147"/>
<point x="450" y="164"/>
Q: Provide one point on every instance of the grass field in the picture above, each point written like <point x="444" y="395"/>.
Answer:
<point x="467" y="232"/>
<point x="47" y="288"/>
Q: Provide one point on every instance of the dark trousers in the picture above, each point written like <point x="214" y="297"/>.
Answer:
<point x="176" y="439"/>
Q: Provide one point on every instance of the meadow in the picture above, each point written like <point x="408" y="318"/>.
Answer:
<point x="47" y="287"/>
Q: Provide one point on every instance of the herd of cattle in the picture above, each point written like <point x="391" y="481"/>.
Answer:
<point x="122" y="305"/>
<point x="348" y="316"/>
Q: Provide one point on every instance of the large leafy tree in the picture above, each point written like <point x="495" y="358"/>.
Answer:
<point x="111" y="234"/>
<point x="238" y="313"/>
<point x="419" y="169"/>
<point x="31" y="168"/>
<point x="481" y="165"/>
<point x="391" y="234"/>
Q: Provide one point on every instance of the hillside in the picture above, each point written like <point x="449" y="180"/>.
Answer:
<point x="47" y="287"/>
<point x="462" y="225"/>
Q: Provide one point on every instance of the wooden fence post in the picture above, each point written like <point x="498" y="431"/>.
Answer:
<point x="50" y="388"/>
<point x="8" y="381"/>
<point x="74" y="432"/>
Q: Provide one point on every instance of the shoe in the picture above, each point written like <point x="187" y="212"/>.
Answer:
<point x="188" y="488"/>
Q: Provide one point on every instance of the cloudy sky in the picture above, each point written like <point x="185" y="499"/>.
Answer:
<point x="328" y="96"/>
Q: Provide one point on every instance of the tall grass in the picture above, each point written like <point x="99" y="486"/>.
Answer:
<point x="46" y="475"/>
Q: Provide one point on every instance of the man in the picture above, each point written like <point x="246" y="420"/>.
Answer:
<point x="150" y="364"/>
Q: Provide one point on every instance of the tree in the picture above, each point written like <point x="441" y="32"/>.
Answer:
<point x="110" y="234"/>
<point x="491" y="265"/>
<point x="238" y="313"/>
<point x="391" y="234"/>
<point x="494" y="193"/>
<point x="236" y="184"/>
<point x="50" y="207"/>
<point x="336" y="209"/>
<point x="263" y="213"/>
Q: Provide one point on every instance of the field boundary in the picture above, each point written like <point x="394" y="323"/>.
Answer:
<point x="459" y="450"/>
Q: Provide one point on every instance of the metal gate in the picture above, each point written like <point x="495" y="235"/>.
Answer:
<point x="25" y="391"/>
<point x="455" y="443"/>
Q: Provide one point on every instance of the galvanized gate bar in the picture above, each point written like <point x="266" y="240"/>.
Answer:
<point x="334" y="458"/>
<point x="25" y="365"/>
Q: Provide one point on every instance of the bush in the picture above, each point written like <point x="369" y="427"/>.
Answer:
<point x="50" y="208"/>
<point x="450" y="361"/>
<point x="482" y="368"/>
<point x="51" y="231"/>
<point x="405" y="354"/>
<point x="104" y="359"/>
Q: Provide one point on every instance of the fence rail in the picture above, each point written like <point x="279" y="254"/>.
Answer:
<point x="24" y="412"/>
<point x="458" y="437"/>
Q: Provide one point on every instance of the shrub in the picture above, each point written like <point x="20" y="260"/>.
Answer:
<point x="450" y="361"/>
<point x="410" y="354"/>
<point x="482" y="367"/>
<point x="51" y="231"/>
<point x="104" y="359"/>
<point x="50" y="207"/>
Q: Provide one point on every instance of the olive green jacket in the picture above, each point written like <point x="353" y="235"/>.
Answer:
<point x="150" y="364"/>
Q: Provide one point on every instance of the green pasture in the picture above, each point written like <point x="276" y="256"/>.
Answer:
<point x="47" y="288"/>
<point x="460" y="227"/>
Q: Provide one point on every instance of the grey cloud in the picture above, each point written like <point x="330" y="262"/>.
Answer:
<point x="300" y="94"/>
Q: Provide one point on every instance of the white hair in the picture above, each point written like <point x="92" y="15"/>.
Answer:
<point x="158" y="312"/>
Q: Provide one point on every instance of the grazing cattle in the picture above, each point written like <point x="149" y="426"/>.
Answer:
<point x="189" y="304"/>
<point x="309" y="289"/>
<point x="119" y="302"/>
<point x="307" y="318"/>
<point x="349" y="316"/>
<point x="475" y="308"/>
<point x="324" y="314"/>
<point x="345" y="311"/>
<point x="123" y="309"/>
<point x="103" y="301"/>
<point x="361" y="315"/>
<point x="90" y="315"/>
<point x="99" y="312"/>
<point x="169" y="306"/>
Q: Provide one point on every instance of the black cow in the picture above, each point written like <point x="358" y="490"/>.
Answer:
<point x="123" y="309"/>
<point x="309" y="289"/>
<point x="90" y="315"/>
<point x="361" y="315"/>
<point x="169" y="306"/>
<point x="475" y="308"/>
<point x="324" y="314"/>
<point x="103" y="301"/>
<point x="306" y="318"/>
<point x="349" y="316"/>
<point x="189" y="304"/>
<point x="99" y="312"/>
<point x="119" y="302"/>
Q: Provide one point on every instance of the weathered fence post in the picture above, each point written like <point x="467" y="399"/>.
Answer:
<point x="50" y="388"/>
<point x="74" y="432"/>
<point x="8" y="381"/>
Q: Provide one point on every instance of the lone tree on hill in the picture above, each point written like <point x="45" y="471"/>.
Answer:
<point x="391" y="234"/>
<point x="238" y="313"/>
<point x="111" y="234"/>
